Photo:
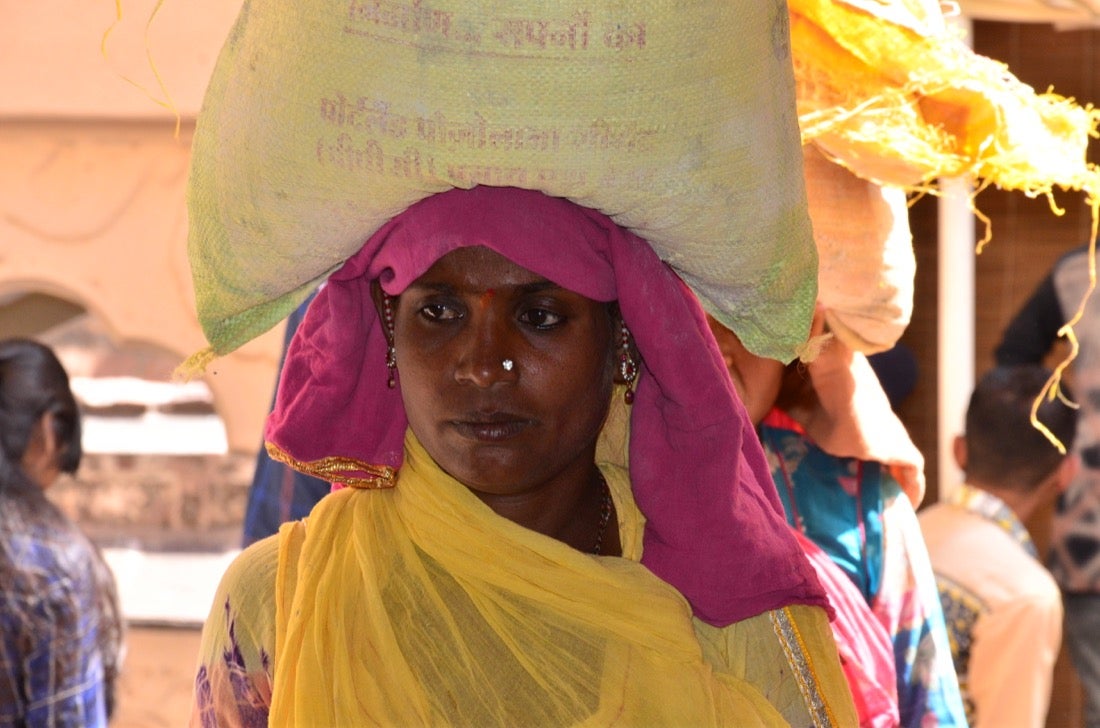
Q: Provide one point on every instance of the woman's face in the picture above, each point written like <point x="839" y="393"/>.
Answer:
<point x="506" y="377"/>
<point x="756" y="378"/>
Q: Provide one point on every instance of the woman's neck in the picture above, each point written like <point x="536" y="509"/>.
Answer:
<point x="579" y="513"/>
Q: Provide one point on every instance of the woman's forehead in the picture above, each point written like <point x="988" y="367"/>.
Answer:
<point x="479" y="268"/>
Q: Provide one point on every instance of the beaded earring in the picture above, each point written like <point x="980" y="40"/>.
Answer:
<point x="628" y="368"/>
<point x="391" y="352"/>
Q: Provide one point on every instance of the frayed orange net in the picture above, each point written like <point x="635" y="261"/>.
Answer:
<point x="890" y="91"/>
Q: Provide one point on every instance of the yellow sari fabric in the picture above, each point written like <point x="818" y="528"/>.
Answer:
<point x="420" y="606"/>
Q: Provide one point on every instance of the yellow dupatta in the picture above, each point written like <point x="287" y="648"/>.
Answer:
<point x="420" y="606"/>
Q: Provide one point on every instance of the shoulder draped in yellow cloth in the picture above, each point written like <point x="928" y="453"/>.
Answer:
<point x="418" y="606"/>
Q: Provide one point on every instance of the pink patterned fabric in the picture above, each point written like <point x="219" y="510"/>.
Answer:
<point x="715" y="528"/>
<point x="866" y="651"/>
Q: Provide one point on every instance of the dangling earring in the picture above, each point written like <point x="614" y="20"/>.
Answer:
<point x="391" y="352"/>
<point x="628" y="368"/>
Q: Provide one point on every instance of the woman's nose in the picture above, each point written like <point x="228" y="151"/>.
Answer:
<point x="489" y="356"/>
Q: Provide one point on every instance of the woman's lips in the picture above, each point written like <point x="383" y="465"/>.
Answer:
<point x="491" y="428"/>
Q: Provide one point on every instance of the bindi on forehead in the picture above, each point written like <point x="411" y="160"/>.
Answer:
<point x="486" y="298"/>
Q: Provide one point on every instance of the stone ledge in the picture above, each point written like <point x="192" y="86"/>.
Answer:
<point x="159" y="502"/>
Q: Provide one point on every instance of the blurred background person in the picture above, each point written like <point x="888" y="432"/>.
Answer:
<point x="1074" y="558"/>
<point x="1003" y="609"/>
<point x="60" y="627"/>
<point x="848" y="477"/>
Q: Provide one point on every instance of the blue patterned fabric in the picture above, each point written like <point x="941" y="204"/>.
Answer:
<point x="855" y="511"/>
<point x="60" y="634"/>
<point x="836" y="502"/>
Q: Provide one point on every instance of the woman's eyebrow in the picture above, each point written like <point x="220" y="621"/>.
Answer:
<point x="538" y="286"/>
<point x="438" y="287"/>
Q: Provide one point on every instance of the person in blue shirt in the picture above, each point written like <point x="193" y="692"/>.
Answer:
<point x="60" y="626"/>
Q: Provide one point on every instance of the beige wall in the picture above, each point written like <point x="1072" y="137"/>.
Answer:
<point x="56" y="63"/>
<point x="94" y="172"/>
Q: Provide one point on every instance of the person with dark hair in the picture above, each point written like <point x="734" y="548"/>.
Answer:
<point x="60" y="626"/>
<point x="551" y="508"/>
<point x="848" y="476"/>
<point x="486" y="563"/>
<point x="1074" y="559"/>
<point x="1003" y="609"/>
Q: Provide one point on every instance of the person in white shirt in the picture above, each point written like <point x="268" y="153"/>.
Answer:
<point x="1003" y="609"/>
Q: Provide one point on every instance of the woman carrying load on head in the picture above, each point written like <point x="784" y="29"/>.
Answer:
<point x="555" y="510"/>
<point x="493" y="576"/>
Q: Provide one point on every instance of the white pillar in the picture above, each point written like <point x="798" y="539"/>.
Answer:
<point x="955" y="316"/>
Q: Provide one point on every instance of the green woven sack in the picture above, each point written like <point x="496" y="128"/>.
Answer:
<point x="324" y="119"/>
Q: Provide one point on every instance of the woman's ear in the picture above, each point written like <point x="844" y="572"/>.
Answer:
<point x="41" y="459"/>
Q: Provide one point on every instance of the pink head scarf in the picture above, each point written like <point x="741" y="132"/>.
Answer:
<point x="715" y="528"/>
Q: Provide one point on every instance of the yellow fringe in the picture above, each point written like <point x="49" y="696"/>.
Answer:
<point x="167" y="102"/>
<point x="194" y="365"/>
<point x="1053" y="387"/>
<point x="887" y="95"/>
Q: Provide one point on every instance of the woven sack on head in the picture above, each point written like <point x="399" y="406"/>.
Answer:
<point x="892" y="93"/>
<point x="324" y="119"/>
<point x="866" y="264"/>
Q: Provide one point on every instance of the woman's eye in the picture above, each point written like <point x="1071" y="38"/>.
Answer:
<point x="541" y="318"/>
<point x="439" y="312"/>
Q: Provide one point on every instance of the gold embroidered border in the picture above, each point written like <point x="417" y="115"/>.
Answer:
<point x="339" y="469"/>
<point x="791" y="640"/>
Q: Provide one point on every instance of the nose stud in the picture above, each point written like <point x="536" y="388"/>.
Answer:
<point x="508" y="364"/>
